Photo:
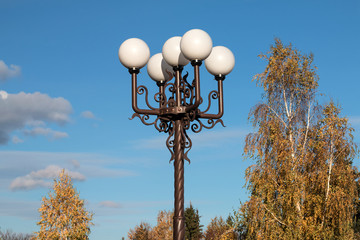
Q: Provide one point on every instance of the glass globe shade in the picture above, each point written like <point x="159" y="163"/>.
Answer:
<point x="220" y="62"/>
<point x="196" y="44"/>
<point x="172" y="54"/>
<point x="158" y="69"/>
<point x="134" y="53"/>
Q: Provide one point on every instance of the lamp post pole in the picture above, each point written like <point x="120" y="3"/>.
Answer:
<point x="179" y="100"/>
<point x="179" y="219"/>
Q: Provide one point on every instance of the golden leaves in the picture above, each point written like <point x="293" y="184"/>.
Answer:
<point x="62" y="214"/>
<point x="218" y="229"/>
<point x="164" y="227"/>
<point x="163" y="230"/>
<point x="303" y="185"/>
<point x="287" y="69"/>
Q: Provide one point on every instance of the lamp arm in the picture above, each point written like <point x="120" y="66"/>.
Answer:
<point x="220" y="103"/>
<point x="161" y="94"/>
<point x="197" y="102"/>
<point x="134" y="96"/>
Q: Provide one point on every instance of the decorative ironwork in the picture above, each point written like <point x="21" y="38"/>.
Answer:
<point x="175" y="109"/>
<point x="177" y="112"/>
<point x="212" y="95"/>
<point x="178" y="100"/>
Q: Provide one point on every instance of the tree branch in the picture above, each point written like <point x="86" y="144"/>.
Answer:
<point x="272" y="214"/>
<point x="328" y="180"/>
<point x="277" y="115"/>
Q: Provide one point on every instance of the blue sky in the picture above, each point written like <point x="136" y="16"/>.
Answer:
<point x="69" y="100"/>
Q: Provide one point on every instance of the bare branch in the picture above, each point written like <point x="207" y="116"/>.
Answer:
<point x="307" y="125"/>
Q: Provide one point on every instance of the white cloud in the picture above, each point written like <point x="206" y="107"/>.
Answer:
<point x="42" y="178"/>
<point x="36" y="123"/>
<point x="21" y="163"/>
<point x="32" y="109"/>
<point x="75" y="163"/>
<point x="88" y="115"/>
<point x="7" y="72"/>
<point x="109" y="204"/>
<point x="28" y="182"/>
<point x="51" y="134"/>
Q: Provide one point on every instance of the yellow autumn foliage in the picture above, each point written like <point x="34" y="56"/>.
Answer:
<point x="164" y="228"/>
<point x="62" y="213"/>
<point x="303" y="184"/>
<point x="218" y="229"/>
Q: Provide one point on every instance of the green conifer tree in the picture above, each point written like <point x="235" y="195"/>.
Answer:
<point x="193" y="229"/>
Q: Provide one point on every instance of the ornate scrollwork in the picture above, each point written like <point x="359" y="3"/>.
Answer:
<point x="160" y="98"/>
<point x="171" y="102"/>
<point x="190" y="119"/>
<point x="188" y="90"/>
<point x="170" y="144"/>
<point x="188" y="94"/>
<point x="212" y="95"/>
<point x="192" y="115"/>
<point x="187" y="145"/>
<point x="185" y="142"/>
<point x="144" y="118"/>
<point x="171" y="87"/>
<point x="141" y="90"/>
<point x="197" y="127"/>
<point x="164" y="125"/>
<point x="184" y="80"/>
<point x="186" y="123"/>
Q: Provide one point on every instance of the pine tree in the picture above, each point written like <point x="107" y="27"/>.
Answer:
<point x="303" y="185"/>
<point x="193" y="229"/>
<point x="63" y="215"/>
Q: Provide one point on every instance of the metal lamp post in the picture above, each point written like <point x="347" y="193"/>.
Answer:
<point x="179" y="100"/>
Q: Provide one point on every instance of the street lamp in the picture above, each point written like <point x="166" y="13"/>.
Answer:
<point x="179" y="100"/>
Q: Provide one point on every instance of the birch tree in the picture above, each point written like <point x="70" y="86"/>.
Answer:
<point x="140" y="232"/>
<point x="218" y="229"/>
<point x="164" y="228"/>
<point x="293" y="183"/>
<point x="332" y="182"/>
<point x="63" y="215"/>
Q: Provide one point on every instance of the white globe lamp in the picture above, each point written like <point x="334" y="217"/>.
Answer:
<point x="220" y="62"/>
<point x="172" y="54"/>
<point x="196" y="44"/>
<point x="158" y="69"/>
<point x="134" y="53"/>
